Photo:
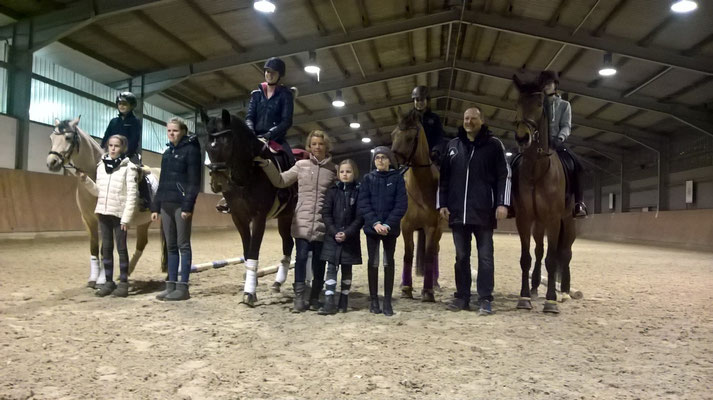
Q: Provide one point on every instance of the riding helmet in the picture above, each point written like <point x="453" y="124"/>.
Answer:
<point x="420" y="92"/>
<point x="276" y="64"/>
<point x="548" y="76"/>
<point x="127" y="97"/>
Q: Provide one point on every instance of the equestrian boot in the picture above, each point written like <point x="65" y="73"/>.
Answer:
<point x="329" y="306"/>
<point x="343" y="303"/>
<point x="181" y="292"/>
<point x="388" y="289"/>
<point x="314" y="295"/>
<point x="170" y="287"/>
<point x="122" y="290"/>
<point x="299" y="304"/>
<point x="106" y="289"/>
<point x="374" y="308"/>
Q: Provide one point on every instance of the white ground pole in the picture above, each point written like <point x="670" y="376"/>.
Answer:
<point x="235" y="261"/>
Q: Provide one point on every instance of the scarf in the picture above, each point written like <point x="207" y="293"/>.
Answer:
<point x="112" y="164"/>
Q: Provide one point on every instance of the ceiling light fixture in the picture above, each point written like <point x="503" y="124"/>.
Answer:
<point x="607" y="66"/>
<point x="355" y="123"/>
<point x="338" y="100"/>
<point x="366" y="140"/>
<point x="312" y="67"/>
<point x="264" y="6"/>
<point x="683" y="6"/>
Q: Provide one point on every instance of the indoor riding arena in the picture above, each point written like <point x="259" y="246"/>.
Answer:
<point x="624" y="87"/>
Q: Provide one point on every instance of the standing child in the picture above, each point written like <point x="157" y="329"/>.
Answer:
<point x="176" y="195"/>
<point x="382" y="203"/>
<point x="116" y="192"/>
<point x="341" y="240"/>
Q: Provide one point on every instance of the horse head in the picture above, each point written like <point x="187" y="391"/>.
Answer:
<point x="231" y="147"/>
<point x="64" y="143"/>
<point x="531" y="126"/>
<point x="405" y="140"/>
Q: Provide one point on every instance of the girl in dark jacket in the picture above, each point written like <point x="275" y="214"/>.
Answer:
<point x="341" y="240"/>
<point x="178" y="189"/>
<point x="382" y="204"/>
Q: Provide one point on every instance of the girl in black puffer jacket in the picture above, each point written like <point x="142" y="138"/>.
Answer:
<point x="341" y="241"/>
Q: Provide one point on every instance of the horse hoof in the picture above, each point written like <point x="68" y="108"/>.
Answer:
<point x="551" y="307"/>
<point x="249" y="299"/>
<point x="275" y="287"/>
<point x="564" y="297"/>
<point x="92" y="284"/>
<point x="524" y="304"/>
<point x="427" y="297"/>
<point x="407" y="292"/>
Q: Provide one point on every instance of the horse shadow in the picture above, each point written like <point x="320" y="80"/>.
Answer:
<point x="146" y="287"/>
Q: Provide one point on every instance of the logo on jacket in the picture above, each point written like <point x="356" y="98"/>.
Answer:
<point x="452" y="152"/>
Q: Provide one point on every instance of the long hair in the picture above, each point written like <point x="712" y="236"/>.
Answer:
<point x="352" y="163"/>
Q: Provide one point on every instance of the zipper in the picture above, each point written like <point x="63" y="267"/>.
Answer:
<point x="180" y="188"/>
<point x="467" y="177"/>
<point x="106" y="198"/>
<point x="316" y="199"/>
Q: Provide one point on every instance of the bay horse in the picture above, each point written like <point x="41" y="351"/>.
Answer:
<point x="410" y="148"/>
<point x="231" y="148"/>
<point x="72" y="148"/>
<point x="541" y="204"/>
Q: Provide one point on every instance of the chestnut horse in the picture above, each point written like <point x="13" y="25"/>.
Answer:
<point x="541" y="206"/>
<point x="231" y="148"/>
<point x="410" y="148"/>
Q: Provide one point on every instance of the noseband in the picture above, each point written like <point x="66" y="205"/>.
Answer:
<point x="534" y="129"/>
<point x="408" y="163"/>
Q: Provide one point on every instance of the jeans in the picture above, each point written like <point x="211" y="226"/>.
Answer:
<point x="304" y="246"/>
<point x="486" y="266"/>
<point x="177" y="232"/>
<point x="110" y="228"/>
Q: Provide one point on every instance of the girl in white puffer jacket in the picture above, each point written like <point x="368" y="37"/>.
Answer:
<point x="116" y="190"/>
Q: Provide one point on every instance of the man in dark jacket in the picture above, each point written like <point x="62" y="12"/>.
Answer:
<point x="474" y="192"/>
<point x="126" y="124"/>
<point x="271" y="106"/>
<point x="430" y="121"/>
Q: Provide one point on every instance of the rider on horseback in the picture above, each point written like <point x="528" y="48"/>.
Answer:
<point x="559" y="116"/>
<point x="127" y="125"/>
<point x="430" y="121"/>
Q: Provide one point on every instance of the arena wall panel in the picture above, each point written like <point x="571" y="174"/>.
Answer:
<point x="8" y="134"/>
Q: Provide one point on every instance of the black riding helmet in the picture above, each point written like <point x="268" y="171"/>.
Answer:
<point x="127" y="97"/>
<point x="548" y="76"/>
<point x="276" y="64"/>
<point x="420" y="92"/>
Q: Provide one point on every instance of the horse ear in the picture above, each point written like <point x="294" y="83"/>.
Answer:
<point x="56" y="122"/>
<point x="75" y="121"/>
<point x="518" y="83"/>
<point x="225" y="115"/>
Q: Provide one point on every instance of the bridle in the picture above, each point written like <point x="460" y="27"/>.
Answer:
<point x="534" y="129"/>
<point x="406" y="165"/>
<point x="66" y="156"/>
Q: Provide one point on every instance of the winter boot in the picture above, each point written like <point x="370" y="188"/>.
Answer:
<point x="181" y="292"/>
<point x="329" y="307"/>
<point x="374" y="307"/>
<point x="299" y="304"/>
<point x="373" y="272"/>
<point x="122" y="290"/>
<point x="314" y="295"/>
<point x="170" y="287"/>
<point x="343" y="302"/>
<point x="388" y="310"/>
<point x="106" y="289"/>
<point x="388" y="289"/>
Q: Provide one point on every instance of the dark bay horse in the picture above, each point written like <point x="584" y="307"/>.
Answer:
<point x="73" y="149"/>
<point x="541" y="206"/>
<point x="231" y="148"/>
<point x="410" y="147"/>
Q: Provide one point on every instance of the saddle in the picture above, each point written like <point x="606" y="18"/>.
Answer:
<point x="148" y="185"/>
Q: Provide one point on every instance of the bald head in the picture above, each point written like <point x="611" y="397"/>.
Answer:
<point x="472" y="120"/>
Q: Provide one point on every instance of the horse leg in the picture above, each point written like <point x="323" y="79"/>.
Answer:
<point x="523" y="229"/>
<point x="429" y="251"/>
<point x="420" y="251"/>
<point x="406" y="275"/>
<point x="284" y="225"/>
<point x="251" y="260"/>
<point x="538" y="233"/>
<point x="553" y="232"/>
<point x="96" y="271"/>
<point x="567" y="236"/>
<point x="142" y="238"/>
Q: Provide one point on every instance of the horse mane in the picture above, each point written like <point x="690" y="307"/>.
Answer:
<point x="238" y="125"/>
<point x="411" y="120"/>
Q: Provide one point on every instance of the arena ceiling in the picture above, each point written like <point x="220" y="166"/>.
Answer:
<point x="209" y="54"/>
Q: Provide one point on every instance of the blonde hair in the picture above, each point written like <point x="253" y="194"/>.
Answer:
<point x="355" y="169"/>
<point x="319" y="134"/>
<point x="181" y="124"/>
<point x="122" y="139"/>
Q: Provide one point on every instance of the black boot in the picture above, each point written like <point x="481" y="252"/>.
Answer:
<point x="181" y="292"/>
<point x="122" y="290"/>
<point x="388" y="289"/>
<point x="343" y="302"/>
<point x="388" y="311"/>
<point x="106" y="289"/>
<point x="329" y="306"/>
<point x="299" y="304"/>
<point x="374" y="308"/>
<point x="170" y="287"/>
<point x="314" y="292"/>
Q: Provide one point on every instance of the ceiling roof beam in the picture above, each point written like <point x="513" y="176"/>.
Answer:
<point x="215" y="26"/>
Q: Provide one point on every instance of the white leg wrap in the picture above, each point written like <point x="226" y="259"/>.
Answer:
<point x="250" y="276"/>
<point x="94" y="268"/>
<point x="101" y="278"/>
<point x="281" y="276"/>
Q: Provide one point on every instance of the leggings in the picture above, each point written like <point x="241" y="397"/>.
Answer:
<point x="110" y="227"/>
<point x="177" y="232"/>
